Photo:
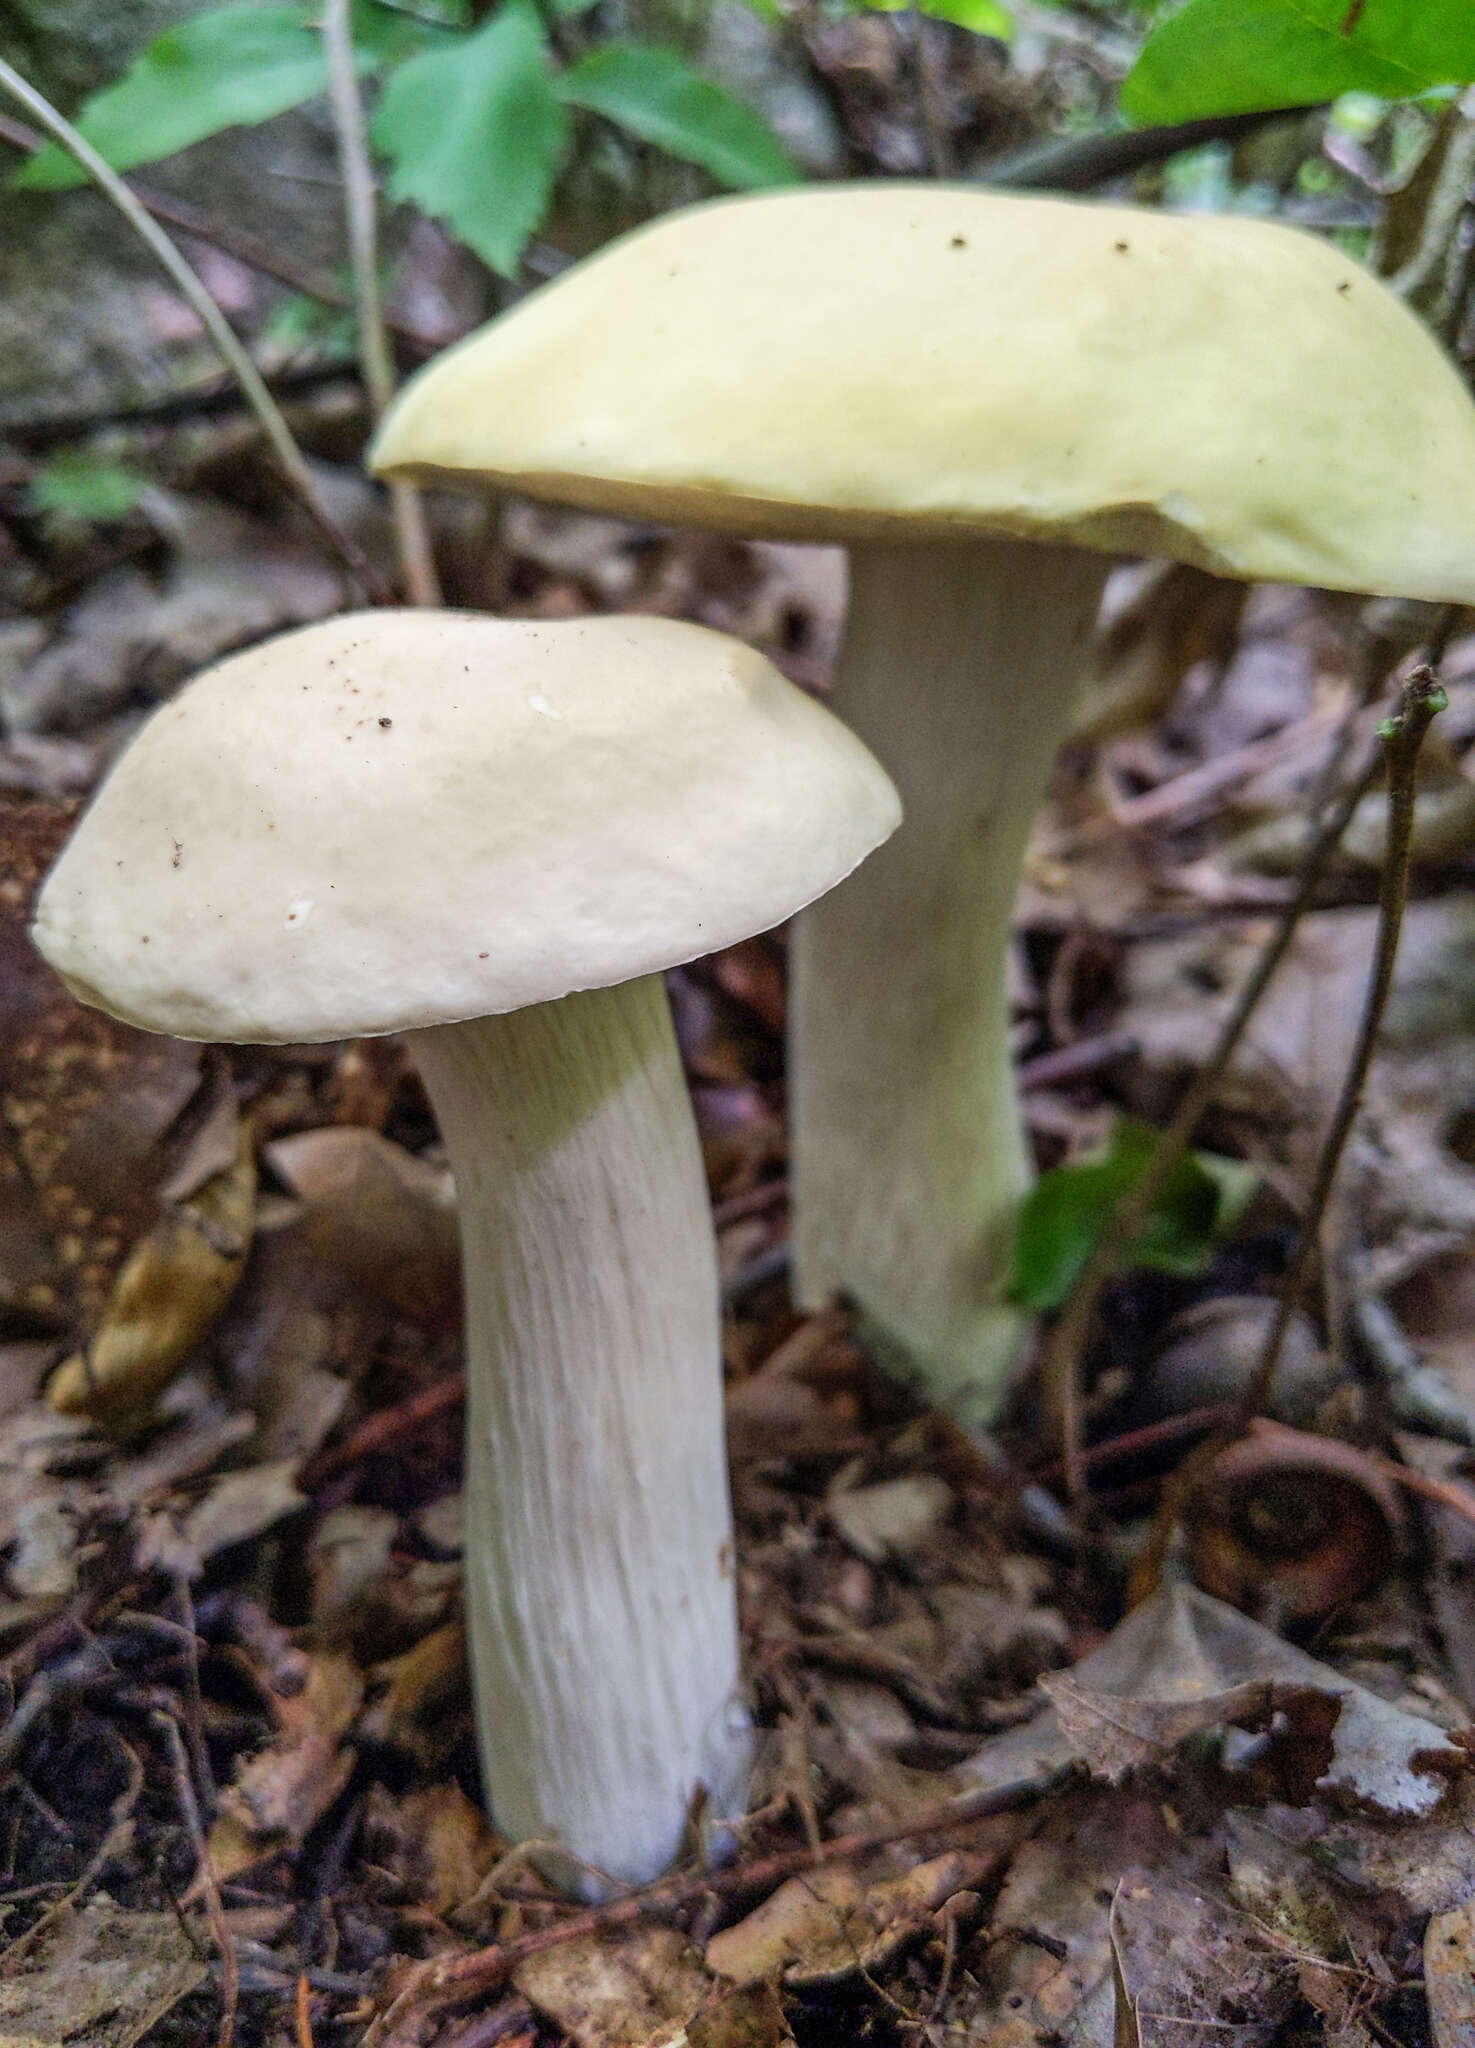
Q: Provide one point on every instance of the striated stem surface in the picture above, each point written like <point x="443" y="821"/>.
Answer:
<point x="961" y="667"/>
<point x="599" y="1563"/>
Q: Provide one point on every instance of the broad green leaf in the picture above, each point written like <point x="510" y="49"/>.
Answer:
<point x="474" y="133"/>
<point x="226" y="68"/>
<point x="657" y="96"/>
<point x="983" y="17"/>
<point x="221" y="69"/>
<point x="1063" y="1214"/>
<point x="82" y="486"/>
<point x="1242" y="56"/>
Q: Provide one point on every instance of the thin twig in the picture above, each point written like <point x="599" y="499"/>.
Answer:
<point x="302" y="2011"/>
<point x="1443" y="1493"/>
<point x="446" y="1980"/>
<point x="387" y="1426"/>
<point x="289" y="456"/>
<point x="1060" y="1357"/>
<point x="230" y="1974"/>
<point x="1400" y="738"/>
<point x="232" y="241"/>
<point x="412" y="535"/>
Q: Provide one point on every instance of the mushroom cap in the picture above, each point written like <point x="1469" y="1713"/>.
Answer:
<point x="878" y="360"/>
<point x="396" y="819"/>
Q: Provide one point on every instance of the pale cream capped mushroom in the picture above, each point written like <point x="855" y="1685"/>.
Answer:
<point x="494" y="836"/>
<point x="984" y="396"/>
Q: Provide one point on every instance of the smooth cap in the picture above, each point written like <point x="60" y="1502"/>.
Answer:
<point x="890" y="360"/>
<point x="405" y="818"/>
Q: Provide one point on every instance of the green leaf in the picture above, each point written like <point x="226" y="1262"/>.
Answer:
<point x="1243" y="56"/>
<point x="983" y="17"/>
<point x="81" y="486"/>
<point x="1063" y="1214"/>
<point x="220" y="69"/>
<point x="657" y="96"/>
<point x="474" y="133"/>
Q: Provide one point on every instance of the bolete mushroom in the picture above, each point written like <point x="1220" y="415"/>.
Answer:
<point x="984" y="397"/>
<point x="494" y="836"/>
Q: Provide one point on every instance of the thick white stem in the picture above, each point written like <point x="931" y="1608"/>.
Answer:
<point x="961" y="668"/>
<point x="599" y="1562"/>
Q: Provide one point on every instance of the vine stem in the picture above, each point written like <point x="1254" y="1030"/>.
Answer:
<point x="253" y="386"/>
<point x="411" y="533"/>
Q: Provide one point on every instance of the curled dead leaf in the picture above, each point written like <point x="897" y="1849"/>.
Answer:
<point x="1290" y="1526"/>
<point x="281" y="1791"/>
<point x="172" y="1286"/>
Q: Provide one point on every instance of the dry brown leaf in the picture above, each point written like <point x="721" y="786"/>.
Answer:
<point x="635" y="1989"/>
<point x="1183" y="1663"/>
<point x="434" y="1841"/>
<point x="424" y="1707"/>
<point x="827" y="1925"/>
<point x="172" y="1286"/>
<point x="99" y="1978"/>
<point x="894" y="1518"/>
<point x="377" y="1211"/>
<point x="1449" y="1977"/>
<point x="281" y="1791"/>
<point x="739" y="2016"/>
<point x="240" y="1505"/>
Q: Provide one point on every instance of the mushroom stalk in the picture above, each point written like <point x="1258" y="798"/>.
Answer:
<point x="599" y="1561"/>
<point x="961" y="668"/>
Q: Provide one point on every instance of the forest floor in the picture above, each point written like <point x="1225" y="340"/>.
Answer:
<point x="238" y="1790"/>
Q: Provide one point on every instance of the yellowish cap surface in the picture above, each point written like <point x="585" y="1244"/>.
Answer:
<point x="847" y="361"/>
<point x="407" y="818"/>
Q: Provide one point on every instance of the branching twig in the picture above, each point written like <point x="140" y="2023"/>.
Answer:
<point x="412" y="535"/>
<point x="253" y="386"/>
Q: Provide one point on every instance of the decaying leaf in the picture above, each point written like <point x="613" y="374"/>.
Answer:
<point x="893" y="1518"/>
<point x="1183" y="1663"/>
<point x="172" y="1286"/>
<point x="99" y="1978"/>
<point x="833" y="1922"/>
<point x="284" y="1788"/>
<point x="240" y="1505"/>
<point x="634" y="1989"/>
<point x="425" y="1705"/>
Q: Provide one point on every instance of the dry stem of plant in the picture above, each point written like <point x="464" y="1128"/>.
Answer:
<point x="1400" y="739"/>
<point x="253" y="386"/>
<point x="411" y="533"/>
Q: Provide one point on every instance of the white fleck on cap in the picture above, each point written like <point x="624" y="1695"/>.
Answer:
<point x="892" y="360"/>
<point x="404" y="818"/>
